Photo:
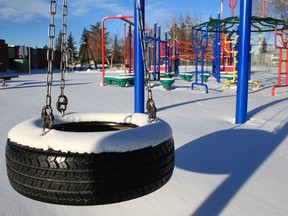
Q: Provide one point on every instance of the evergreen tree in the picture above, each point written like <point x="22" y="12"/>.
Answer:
<point x="95" y="41"/>
<point x="264" y="46"/>
<point x="182" y="30"/>
<point x="117" y="52"/>
<point x="58" y="42"/>
<point x="84" y="55"/>
<point x="173" y="32"/>
<point x="189" y="25"/>
<point x="182" y="33"/>
<point x="71" y="46"/>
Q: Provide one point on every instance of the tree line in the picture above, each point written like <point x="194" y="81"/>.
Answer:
<point x="180" y="28"/>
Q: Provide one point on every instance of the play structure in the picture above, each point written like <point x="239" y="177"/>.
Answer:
<point x="199" y="45"/>
<point x="159" y="55"/>
<point x="91" y="158"/>
<point x="85" y="55"/>
<point x="281" y="43"/>
<point x="225" y="34"/>
<point x="158" y="52"/>
<point x="101" y="158"/>
<point x="229" y="60"/>
<point x="232" y="49"/>
<point x="127" y="46"/>
<point x="215" y="41"/>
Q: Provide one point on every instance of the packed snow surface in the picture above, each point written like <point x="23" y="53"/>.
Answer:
<point x="221" y="168"/>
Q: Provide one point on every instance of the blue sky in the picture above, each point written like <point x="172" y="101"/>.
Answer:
<point x="27" y="21"/>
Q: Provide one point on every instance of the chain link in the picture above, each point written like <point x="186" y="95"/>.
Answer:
<point x="47" y="111"/>
<point x="150" y="104"/>
<point x="62" y="99"/>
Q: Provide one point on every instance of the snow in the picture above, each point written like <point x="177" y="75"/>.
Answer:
<point x="30" y="133"/>
<point x="221" y="168"/>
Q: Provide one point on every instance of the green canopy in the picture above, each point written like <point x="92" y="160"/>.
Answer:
<point x="258" y="24"/>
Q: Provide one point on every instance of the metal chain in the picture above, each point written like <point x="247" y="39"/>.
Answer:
<point x="47" y="111"/>
<point x="62" y="99"/>
<point x="150" y="104"/>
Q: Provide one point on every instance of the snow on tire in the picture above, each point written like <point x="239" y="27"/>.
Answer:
<point x="107" y="172"/>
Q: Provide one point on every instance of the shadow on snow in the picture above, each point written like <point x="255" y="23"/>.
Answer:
<point x="237" y="152"/>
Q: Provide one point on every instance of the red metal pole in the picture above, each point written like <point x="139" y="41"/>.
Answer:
<point x="281" y="43"/>
<point x="133" y="53"/>
<point x="122" y="17"/>
<point x="263" y="8"/>
<point x="232" y="4"/>
<point x="130" y="49"/>
<point x="103" y="49"/>
<point x="286" y="61"/>
<point x="124" y="49"/>
<point x="280" y="66"/>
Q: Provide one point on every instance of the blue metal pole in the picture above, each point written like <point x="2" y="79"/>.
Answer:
<point x="243" y="61"/>
<point x="218" y="59"/>
<point x="176" y="63"/>
<point x="149" y="57"/>
<point x="159" y="51"/>
<point x="155" y="50"/>
<point x="166" y="52"/>
<point x="139" y="95"/>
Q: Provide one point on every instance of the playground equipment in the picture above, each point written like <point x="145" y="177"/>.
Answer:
<point x="125" y="19"/>
<point x="231" y="75"/>
<point x="182" y="51"/>
<point x="199" y="45"/>
<point x="122" y="80"/>
<point x="85" y="54"/>
<point x="246" y="23"/>
<point x="186" y="76"/>
<point x="167" y="83"/>
<point x="232" y="5"/>
<point x="160" y="51"/>
<point x="229" y="27"/>
<point x="128" y="47"/>
<point x="281" y="43"/>
<point x="79" y="158"/>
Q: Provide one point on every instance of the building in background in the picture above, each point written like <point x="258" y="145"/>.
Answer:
<point x="11" y="60"/>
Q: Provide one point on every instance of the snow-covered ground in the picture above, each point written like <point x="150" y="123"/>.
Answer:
<point x="221" y="168"/>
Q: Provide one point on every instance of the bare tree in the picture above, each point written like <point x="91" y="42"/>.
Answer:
<point x="273" y="8"/>
<point x="279" y="8"/>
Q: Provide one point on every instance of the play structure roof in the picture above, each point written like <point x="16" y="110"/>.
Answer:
<point x="258" y="24"/>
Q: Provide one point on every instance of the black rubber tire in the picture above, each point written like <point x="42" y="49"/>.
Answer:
<point x="88" y="179"/>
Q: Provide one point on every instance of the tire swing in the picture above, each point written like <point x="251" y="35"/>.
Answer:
<point x="88" y="158"/>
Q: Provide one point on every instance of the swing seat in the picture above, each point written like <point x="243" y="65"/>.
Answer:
<point x="127" y="74"/>
<point x="167" y="83"/>
<point x="121" y="81"/>
<point x="110" y="80"/>
<point x="168" y="75"/>
<point x="186" y="76"/>
<point x="205" y="77"/>
<point x="90" y="158"/>
<point x="229" y="78"/>
<point x="130" y="77"/>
